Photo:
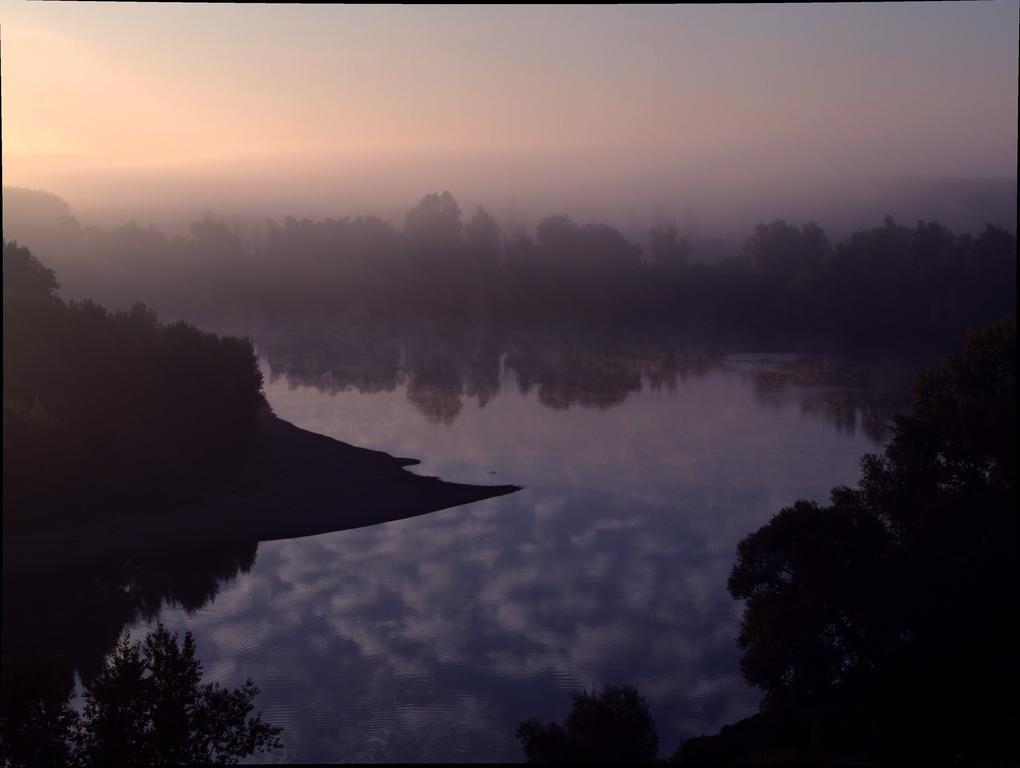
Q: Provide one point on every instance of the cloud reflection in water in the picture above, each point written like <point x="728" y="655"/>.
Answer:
<point x="430" y="638"/>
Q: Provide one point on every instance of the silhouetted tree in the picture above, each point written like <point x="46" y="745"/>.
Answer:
<point x="605" y="248"/>
<point x="891" y="613"/>
<point x="556" y="233"/>
<point x="608" y="726"/>
<point x="482" y="241"/>
<point x="147" y="706"/>
<point x="433" y="225"/>
<point x="782" y="250"/>
<point x="101" y="408"/>
<point x="666" y="249"/>
<point x="890" y="286"/>
<point x="37" y="723"/>
<point x="25" y="276"/>
<point x="809" y="620"/>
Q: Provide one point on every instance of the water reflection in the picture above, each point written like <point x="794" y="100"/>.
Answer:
<point x="426" y="642"/>
<point x="431" y="638"/>
<point x="849" y="395"/>
<point x="71" y="614"/>
<point x="439" y="371"/>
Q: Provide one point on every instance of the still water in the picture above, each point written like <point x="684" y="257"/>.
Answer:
<point x="432" y="638"/>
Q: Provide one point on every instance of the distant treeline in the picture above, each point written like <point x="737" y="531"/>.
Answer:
<point x="891" y="285"/>
<point x="109" y="410"/>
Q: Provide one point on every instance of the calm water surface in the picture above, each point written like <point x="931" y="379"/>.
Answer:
<point x="431" y="638"/>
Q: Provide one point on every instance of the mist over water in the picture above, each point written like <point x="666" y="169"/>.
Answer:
<point x="651" y="283"/>
<point x="710" y="211"/>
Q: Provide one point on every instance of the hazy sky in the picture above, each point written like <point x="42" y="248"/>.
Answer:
<point x="119" y="102"/>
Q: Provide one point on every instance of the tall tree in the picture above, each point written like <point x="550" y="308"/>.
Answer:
<point x="612" y="725"/>
<point x="894" y="607"/>
<point x="433" y="225"/>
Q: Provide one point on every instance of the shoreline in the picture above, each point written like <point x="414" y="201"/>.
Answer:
<point x="296" y="483"/>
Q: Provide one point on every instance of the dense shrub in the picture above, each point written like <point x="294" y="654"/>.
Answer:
<point x="108" y="409"/>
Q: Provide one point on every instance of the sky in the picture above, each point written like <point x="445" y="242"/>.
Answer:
<point x="326" y="106"/>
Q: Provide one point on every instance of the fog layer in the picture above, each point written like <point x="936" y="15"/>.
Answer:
<point x="726" y="116"/>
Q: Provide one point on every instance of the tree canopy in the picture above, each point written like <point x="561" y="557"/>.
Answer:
<point x="611" y="725"/>
<point x="102" y="408"/>
<point x="893" y="608"/>
<point x="891" y="286"/>
<point x="147" y="706"/>
<point x="24" y="275"/>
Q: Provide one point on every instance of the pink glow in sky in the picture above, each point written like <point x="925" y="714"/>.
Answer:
<point x="266" y="105"/>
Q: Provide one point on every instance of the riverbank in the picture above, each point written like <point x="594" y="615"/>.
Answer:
<point x="295" y="483"/>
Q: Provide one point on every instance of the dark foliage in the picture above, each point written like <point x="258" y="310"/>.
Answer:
<point x="893" y="286"/>
<point x="608" y="726"/>
<point x="885" y="622"/>
<point x="106" y="410"/>
<point x="147" y="706"/>
<point x="37" y="723"/>
<point x="25" y="276"/>
<point x="72" y="610"/>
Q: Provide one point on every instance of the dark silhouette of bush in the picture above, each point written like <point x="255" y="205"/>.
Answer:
<point x="25" y="276"/>
<point x="107" y="410"/>
<point x="809" y="622"/>
<point x="147" y="706"/>
<point x="889" y="616"/>
<point x="608" y="726"/>
<point x="37" y="723"/>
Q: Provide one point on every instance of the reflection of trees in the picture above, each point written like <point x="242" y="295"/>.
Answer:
<point x="367" y="362"/>
<point x="565" y="376"/>
<point x="73" y="614"/>
<point x="848" y="396"/>
<point x="442" y="368"/>
<point x="66" y="616"/>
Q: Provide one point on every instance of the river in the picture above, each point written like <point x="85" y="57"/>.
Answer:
<point x="431" y="638"/>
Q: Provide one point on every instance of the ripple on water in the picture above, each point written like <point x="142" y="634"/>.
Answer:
<point x="431" y="638"/>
